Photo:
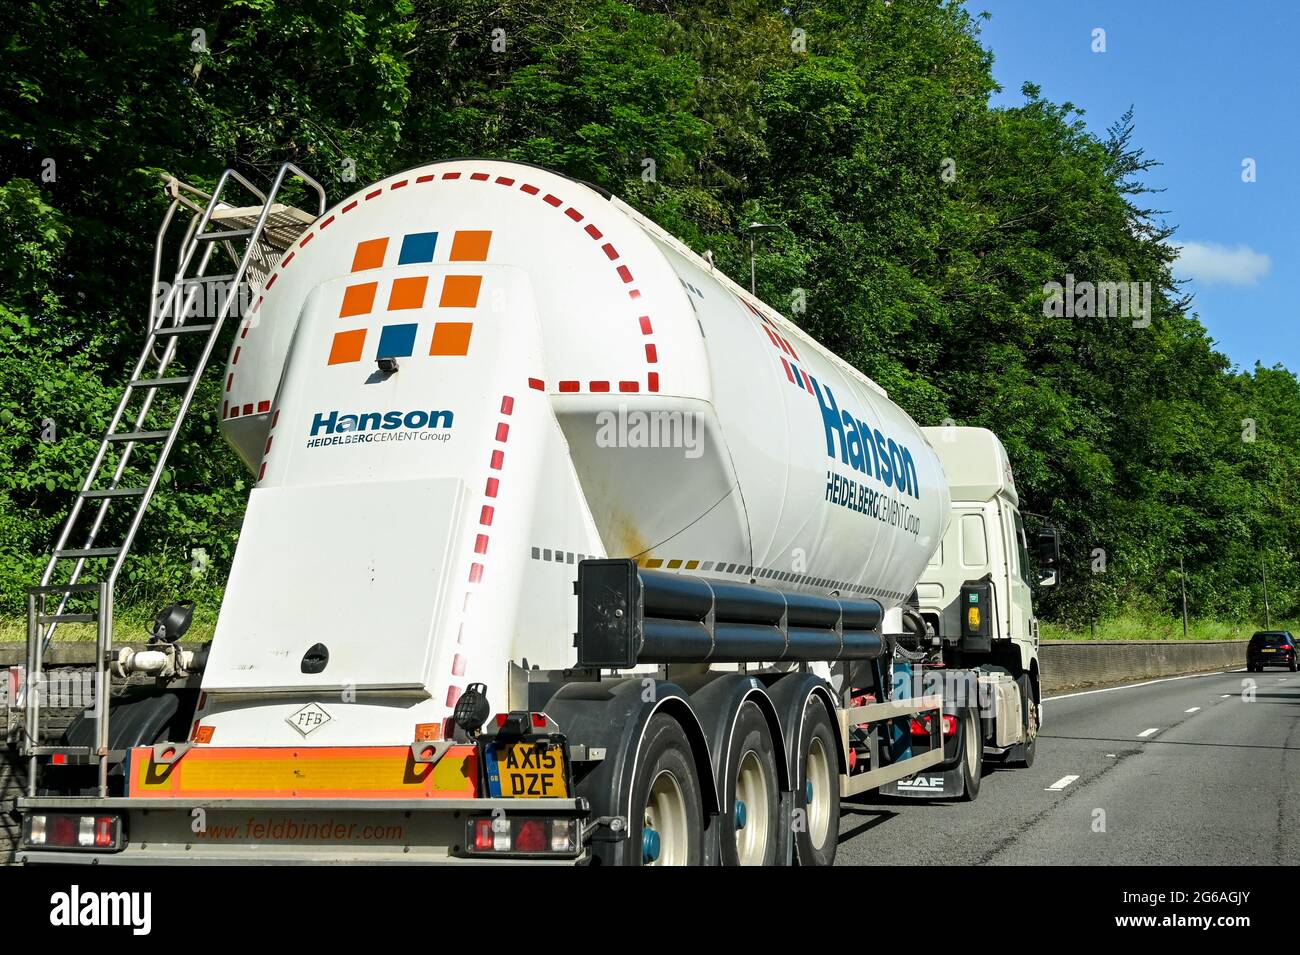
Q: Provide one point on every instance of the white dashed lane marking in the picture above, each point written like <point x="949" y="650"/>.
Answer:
<point x="1192" y="710"/>
<point x="1060" y="784"/>
<point x="1146" y="733"/>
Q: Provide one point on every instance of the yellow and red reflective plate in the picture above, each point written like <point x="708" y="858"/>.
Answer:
<point x="282" y="772"/>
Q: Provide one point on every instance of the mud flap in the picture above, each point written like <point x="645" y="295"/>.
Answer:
<point x="928" y="784"/>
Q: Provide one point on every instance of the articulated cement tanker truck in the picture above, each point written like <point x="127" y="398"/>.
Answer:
<point x="562" y="547"/>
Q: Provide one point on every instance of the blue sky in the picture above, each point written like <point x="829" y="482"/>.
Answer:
<point x="1212" y="83"/>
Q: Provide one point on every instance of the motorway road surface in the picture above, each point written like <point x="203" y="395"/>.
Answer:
<point x="1184" y="771"/>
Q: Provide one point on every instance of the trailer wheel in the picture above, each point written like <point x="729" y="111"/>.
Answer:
<point x="1021" y="755"/>
<point x="667" y="815"/>
<point x="817" y="792"/>
<point x="972" y="756"/>
<point x="751" y="807"/>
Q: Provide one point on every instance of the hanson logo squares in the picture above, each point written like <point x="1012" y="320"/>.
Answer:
<point x="396" y="338"/>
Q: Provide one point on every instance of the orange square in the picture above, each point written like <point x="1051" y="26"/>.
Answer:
<point x="408" y="293"/>
<point x="470" y="246"/>
<point x="358" y="299"/>
<point x="451" y="338"/>
<point x="460" y="291"/>
<point x="370" y="255"/>
<point x="347" y="346"/>
<point x="203" y="734"/>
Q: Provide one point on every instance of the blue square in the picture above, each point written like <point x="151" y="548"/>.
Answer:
<point x="418" y="247"/>
<point x="397" y="341"/>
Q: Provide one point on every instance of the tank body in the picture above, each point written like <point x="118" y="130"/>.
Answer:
<point x="561" y="379"/>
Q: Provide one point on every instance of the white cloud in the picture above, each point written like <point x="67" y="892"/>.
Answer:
<point x="1211" y="263"/>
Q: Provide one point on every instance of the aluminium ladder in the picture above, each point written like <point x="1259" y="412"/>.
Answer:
<point x="265" y="230"/>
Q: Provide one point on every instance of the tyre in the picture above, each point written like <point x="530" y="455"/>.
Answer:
<point x="1021" y="755"/>
<point x="972" y="755"/>
<point x="666" y="816"/>
<point x="751" y="805"/>
<point x="817" y="789"/>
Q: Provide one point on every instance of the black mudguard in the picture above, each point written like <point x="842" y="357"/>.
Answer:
<point x="612" y="716"/>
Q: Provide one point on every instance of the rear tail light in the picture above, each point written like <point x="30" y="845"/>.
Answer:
<point x="921" y="727"/>
<point x="70" y="830"/>
<point x="522" y="835"/>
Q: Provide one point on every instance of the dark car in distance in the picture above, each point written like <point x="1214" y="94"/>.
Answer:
<point x="1271" y="648"/>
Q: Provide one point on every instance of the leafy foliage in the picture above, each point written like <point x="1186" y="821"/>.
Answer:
<point x="919" y="224"/>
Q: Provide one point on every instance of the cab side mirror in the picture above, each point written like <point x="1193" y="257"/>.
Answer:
<point x="1047" y="549"/>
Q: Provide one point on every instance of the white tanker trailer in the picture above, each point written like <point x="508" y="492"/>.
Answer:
<point x="562" y="546"/>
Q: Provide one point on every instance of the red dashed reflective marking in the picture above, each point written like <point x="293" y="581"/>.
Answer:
<point x="595" y="233"/>
<point x="234" y="360"/>
<point x="229" y="379"/>
<point x="257" y="304"/>
<point x="493" y="485"/>
<point x="372" y="195"/>
<point x="305" y="239"/>
<point x="225" y="409"/>
<point x="573" y="214"/>
<point x="453" y="694"/>
<point x="458" y="666"/>
<point x="271" y="281"/>
<point x="498" y="458"/>
<point x="653" y="380"/>
<point x="551" y="200"/>
<point x="507" y="405"/>
<point x="451" y="175"/>
<point x="275" y="419"/>
<point x="536" y="384"/>
<point x="530" y="189"/>
<point x="505" y="181"/>
<point x="611" y="253"/>
<point x="629" y="386"/>
<point x="248" y="408"/>
<point x="263" y="407"/>
<point x="503" y="431"/>
<point x="325" y="223"/>
<point x="485" y="516"/>
<point x="475" y="573"/>
<point x="481" y="544"/>
<point x="479" y="176"/>
<point x="287" y="259"/>
<point x="651" y="354"/>
<point x="645" y="325"/>
<point x="267" y="449"/>
<point x="625" y="273"/>
<point x="349" y="207"/>
<point x="261" y="472"/>
<point x="421" y="179"/>
<point x="398" y="185"/>
<point x="598" y="386"/>
<point x="634" y="293"/>
<point x="568" y="386"/>
<point x="243" y="332"/>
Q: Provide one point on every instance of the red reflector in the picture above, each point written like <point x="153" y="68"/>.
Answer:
<point x="62" y="831"/>
<point x="483" y="834"/>
<point x="919" y="728"/>
<point x="501" y="719"/>
<point x="531" y="837"/>
<point x="949" y="725"/>
<point x="539" y="720"/>
<point x="59" y="759"/>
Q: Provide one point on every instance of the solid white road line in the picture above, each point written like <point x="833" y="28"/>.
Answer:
<point x="1134" y="686"/>
<point x="1192" y="710"/>
<point x="1060" y="784"/>
<point x="1146" y="733"/>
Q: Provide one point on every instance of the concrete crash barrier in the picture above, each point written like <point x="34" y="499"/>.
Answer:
<point x="1069" y="663"/>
